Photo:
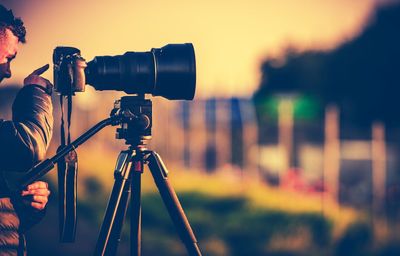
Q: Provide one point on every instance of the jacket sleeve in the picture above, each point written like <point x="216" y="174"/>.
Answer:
<point x="24" y="140"/>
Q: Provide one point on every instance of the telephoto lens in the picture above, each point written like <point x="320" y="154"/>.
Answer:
<point x="169" y="72"/>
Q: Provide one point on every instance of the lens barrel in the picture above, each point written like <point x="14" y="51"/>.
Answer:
<point x="169" y="72"/>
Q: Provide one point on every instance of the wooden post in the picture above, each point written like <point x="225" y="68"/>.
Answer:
<point x="223" y="133"/>
<point x="250" y="140"/>
<point x="332" y="152"/>
<point x="285" y="126"/>
<point x="378" y="148"/>
<point x="198" y="135"/>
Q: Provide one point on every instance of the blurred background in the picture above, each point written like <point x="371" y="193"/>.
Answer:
<point x="290" y="147"/>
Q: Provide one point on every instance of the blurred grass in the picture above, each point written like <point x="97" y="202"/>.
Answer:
<point x="227" y="226"/>
<point x="259" y="195"/>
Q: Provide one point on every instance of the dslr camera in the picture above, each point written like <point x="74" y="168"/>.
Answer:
<point x="169" y="72"/>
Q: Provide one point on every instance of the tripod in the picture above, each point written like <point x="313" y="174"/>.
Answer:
<point x="134" y="115"/>
<point x="128" y="171"/>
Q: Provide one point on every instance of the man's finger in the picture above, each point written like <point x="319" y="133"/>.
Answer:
<point x="38" y="206"/>
<point x="40" y="199"/>
<point x="37" y="184"/>
<point x="39" y="191"/>
<point x="41" y="70"/>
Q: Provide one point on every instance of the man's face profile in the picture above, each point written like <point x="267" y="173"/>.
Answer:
<point x="8" y="51"/>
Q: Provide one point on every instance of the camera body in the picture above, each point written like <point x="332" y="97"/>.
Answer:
<point x="69" y="70"/>
<point x="169" y="72"/>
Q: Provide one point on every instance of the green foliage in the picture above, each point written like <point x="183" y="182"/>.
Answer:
<point x="305" y="107"/>
<point x="390" y="249"/>
<point x="356" y="241"/>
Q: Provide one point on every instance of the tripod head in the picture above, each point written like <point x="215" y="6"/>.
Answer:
<point x="134" y="116"/>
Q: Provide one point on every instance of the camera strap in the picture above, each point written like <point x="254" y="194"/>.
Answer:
<point x="67" y="179"/>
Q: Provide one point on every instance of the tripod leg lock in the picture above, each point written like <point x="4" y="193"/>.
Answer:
<point x="154" y="159"/>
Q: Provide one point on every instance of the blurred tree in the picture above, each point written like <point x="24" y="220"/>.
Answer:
<point x="361" y="76"/>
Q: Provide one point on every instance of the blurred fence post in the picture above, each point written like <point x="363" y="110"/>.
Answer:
<point x="332" y="152"/>
<point x="223" y="133"/>
<point x="236" y="129"/>
<point x="378" y="148"/>
<point x="186" y="109"/>
<point x="198" y="135"/>
<point x="176" y="137"/>
<point x="210" y="156"/>
<point x="250" y="140"/>
<point x="161" y="134"/>
<point x="285" y="137"/>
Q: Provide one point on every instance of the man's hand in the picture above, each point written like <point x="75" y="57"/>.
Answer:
<point x="35" y="78"/>
<point x="36" y="195"/>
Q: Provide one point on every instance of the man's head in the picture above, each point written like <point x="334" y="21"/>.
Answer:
<point x="12" y="31"/>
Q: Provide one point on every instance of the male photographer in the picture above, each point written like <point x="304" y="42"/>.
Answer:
<point x="23" y="141"/>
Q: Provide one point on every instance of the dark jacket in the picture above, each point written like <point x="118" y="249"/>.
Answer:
<point x="23" y="142"/>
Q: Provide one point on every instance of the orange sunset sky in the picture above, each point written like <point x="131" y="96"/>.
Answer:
<point x="231" y="38"/>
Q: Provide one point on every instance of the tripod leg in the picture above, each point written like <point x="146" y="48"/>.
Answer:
<point x="136" y="208"/>
<point x="171" y="201"/>
<point x="110" y="232"/>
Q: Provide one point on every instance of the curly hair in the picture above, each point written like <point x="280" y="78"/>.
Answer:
<point x="8" y="21"/>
